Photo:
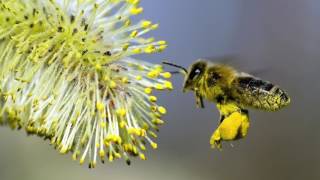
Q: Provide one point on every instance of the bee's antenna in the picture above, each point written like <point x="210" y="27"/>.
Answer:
<point x="184" y="70"/>
<point x="175" y="72"/>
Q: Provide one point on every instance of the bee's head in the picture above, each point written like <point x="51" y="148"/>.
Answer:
<point x="204" y="73"/>
<point x="192" y="78"/>
<point x="194" y="75"/>
<point x="199" y="71"/>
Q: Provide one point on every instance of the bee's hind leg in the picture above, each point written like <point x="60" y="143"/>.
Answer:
<point x="216" y="139"/>
<point x="232" y="127"/>
<point x="222" y="117"/>
<point x="245" y="124"/>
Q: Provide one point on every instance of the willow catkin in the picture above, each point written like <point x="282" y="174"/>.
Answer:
<point x="67" y="74"/>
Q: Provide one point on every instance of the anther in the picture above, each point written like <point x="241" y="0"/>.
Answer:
<point x="107" y="53"/>
<point x="60" y="29"/>
<point x="72" y="18"/>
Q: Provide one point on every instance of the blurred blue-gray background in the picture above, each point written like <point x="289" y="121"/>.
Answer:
<point x="282" y="36"/>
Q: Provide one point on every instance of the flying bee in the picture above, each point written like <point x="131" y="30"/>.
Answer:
<point x="233" y="92"/>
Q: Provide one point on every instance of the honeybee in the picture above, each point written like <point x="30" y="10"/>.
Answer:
<point x="232" y="92"/>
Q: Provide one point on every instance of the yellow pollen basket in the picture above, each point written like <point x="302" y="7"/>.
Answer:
<point x="234" y="126"/>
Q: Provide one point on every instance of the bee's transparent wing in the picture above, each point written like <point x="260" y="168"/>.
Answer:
<point x="239" y="63"/>
<point x="224" y="59"/>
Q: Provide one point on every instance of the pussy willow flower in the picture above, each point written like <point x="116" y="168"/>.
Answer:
<point x="66" y="74"/>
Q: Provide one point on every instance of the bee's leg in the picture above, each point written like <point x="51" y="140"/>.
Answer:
<point x="199" y="100"/>
<point x="231" y="127"/>
<point x="245" y="124"/>
<point x="245" y="111"/>
<point x="215" y="139"/>
<point x="222" y="117"/>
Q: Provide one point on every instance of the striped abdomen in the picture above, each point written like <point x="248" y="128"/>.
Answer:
<point x="252" y="92"/>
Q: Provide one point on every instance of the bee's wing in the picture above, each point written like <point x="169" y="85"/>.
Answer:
<point x="254" y="92"/>
<point x="225" y="59"/>
<point x="237" y="62"/>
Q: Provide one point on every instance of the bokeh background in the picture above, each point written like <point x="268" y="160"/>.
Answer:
<point x="282" y="36"/>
